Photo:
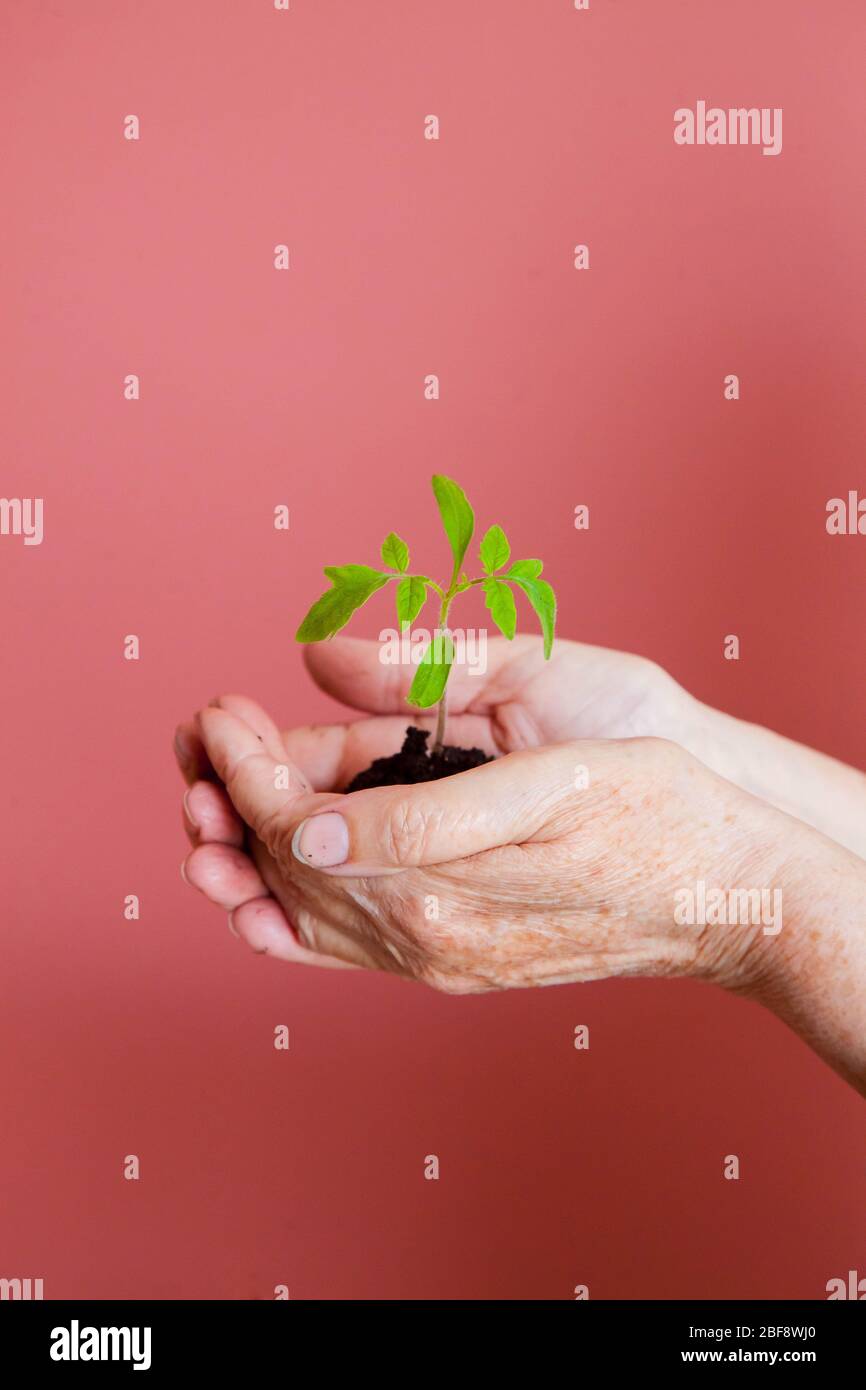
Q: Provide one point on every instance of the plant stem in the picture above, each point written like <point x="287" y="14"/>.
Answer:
<point x="441" y="712"/>
<point x="439" y="740"/>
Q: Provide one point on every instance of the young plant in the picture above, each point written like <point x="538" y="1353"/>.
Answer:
<point x="353" y="585"/>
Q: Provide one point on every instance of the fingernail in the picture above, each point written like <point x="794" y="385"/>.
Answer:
<point x="232" y="928"/>
<point x="183" y="873"/>
<point x="187" y="812"/>
<point x="322" y="841"/>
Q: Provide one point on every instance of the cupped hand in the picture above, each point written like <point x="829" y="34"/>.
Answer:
<point x="520" y="701"/>
<point x="554" y="863"/>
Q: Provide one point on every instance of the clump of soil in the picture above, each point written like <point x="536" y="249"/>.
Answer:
<point x="415" y="764"/>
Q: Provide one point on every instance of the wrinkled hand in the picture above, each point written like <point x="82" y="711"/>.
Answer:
<point x="521" y="701"/>
<point x="514" y="873"/>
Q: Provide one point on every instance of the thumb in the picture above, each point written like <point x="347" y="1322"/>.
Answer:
<point x="385" y="829"/>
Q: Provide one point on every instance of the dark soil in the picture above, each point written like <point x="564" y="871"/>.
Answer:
<point x="414" y="764"/>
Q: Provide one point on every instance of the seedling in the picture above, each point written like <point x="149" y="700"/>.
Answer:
<point x="353" y="585"/>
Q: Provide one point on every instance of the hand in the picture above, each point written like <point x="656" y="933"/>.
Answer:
<point x="512" y="874"/>
<point x="521" y="701"/>
<point x="652" y="816"/>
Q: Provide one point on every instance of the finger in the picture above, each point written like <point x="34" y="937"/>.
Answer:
<point x="225" y="875"/>
<point x="258" y="719"/>
<point x="191" y="757"/>
<point x="352" y="670"/>
<point x="262" y="789"/>
<point x="263" y="925"/>
<point x="325" y="939"/>
<point x="380" y="830"/>
<point x="194" y="763"/>
<point x="211" y="818"/>
<point x="386" y="829"/>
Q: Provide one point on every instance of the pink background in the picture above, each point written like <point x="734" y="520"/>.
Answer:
<point x="306" y="388"/>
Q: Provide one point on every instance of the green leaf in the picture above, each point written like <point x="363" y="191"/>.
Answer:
<point x="433" y="671"/>
<point x="352" y="586"/>
<point x="494" y="549"/>
<point x="543" y="600"/>
<point x="500" y="601"/>
<point x="456" y="513"/>
<point x="395" y="552"/>
<point x="411" y="595"/>
<point x="356" y="575"/>
<point x="525" y="569"/>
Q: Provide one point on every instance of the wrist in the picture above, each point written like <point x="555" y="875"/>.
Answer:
<point x="817" y="789"/>
<point x="812" y="972"/>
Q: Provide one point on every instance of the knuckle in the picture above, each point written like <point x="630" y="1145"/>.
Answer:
<point x="275" y="832"/>
<point x="657" y="747"/>
<point x="407" y="832"/>
<point x="647" y="677"/>
<point x="656" y="751"/>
